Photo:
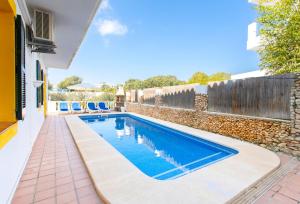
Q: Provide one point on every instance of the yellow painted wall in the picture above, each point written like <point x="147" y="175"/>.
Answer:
<point x="8" y="134"/>
<point x="7" y="66"/>
<point x="7" y="61"/>
<point x="8" y="6"/>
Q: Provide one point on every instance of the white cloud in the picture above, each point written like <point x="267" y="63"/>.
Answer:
<point x="105" y="5"/>
<point x="111" y="27"/>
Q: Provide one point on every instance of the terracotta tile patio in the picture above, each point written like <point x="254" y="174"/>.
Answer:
<point x="286" y="190"/>
<point x="55" y="173"/>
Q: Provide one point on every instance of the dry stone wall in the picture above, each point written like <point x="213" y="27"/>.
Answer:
<point x="276" y="135"/>
<point x="294" y="142"/>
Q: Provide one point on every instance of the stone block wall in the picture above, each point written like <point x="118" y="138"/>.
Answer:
<point x="276" y="135"/>
<point x="201" y="102"/>
<point x="295" y="116"/>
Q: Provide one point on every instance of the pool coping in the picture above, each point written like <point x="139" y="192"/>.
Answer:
<point x="117" y="180"/>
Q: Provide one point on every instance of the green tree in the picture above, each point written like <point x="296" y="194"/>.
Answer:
<point x="108" y="88"/>
<point x="104" y="97"/>
<point x="280" y="32"/>
<point x="160" y="81"/>
<point x="76" y="96"/>
<point x="57" y="97"/>
<point x="133" y="84"/>
<point x="50" y="86"/>
<point x="219" y="76"/>
<point x="69" y="81"/>
<point x="199" y="77"/>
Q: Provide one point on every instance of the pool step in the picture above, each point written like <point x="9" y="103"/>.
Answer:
<point x="255" y="192"/>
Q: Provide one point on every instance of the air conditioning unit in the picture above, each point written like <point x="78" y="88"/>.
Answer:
<point x="43" y="24"/>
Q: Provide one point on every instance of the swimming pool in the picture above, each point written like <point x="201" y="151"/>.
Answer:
<point x="158" y="151"/>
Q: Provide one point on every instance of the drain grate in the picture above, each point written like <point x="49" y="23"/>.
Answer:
<point x="255" y="192"/>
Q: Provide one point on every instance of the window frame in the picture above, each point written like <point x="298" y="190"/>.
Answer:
<point x="39" y="90"/>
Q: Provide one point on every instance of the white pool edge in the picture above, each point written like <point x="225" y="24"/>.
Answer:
<point x="117" y="180"/>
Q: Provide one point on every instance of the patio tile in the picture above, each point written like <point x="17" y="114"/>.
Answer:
<point x="63" y="174"/>
<point x="266" y="198"/>
<point x="86" y="190"/>
<point x="48" y="159"/>
<point x="47" y="172"/>
<point x="64" y="180"/>
<point x="29" y="176"/>
<point x="31" y="170"/>
<point x="90" y="199"/>
<point x="60" y="160"/>
<point x="27" y="199"/>
<point x="276" y="188"/>
<point x="45" y="185"/>
<point x="281" y="199"/>
<point x="47" y="201"/>
<point x="54" y="169"/>
<point x="33" y="165"/>
<point x="64" y="188"/>
<point x="66" y="198"/>
<point x="50" y="193"/>
<point x="62" y="169"/>
<point x="47" y="167"/>
<point x="48" y="162"/>
<point x="82" y="183"/>
<point x="291" y="192"/>
<point x="45" y="179"/>
<point x="286" y="190"/>
<point x="34" y="162"/>
<point x="62" y="164"/>
<point x="25" y="191"/>
<point x="80" y="175"/>
<point x="26" y="183"/>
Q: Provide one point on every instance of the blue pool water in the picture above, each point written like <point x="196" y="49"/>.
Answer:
<point x="158" y="151"/>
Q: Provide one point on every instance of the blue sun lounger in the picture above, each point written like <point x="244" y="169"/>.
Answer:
<point x="92" y="107"/>
<point x="102" y="107"/>
<point x="63" y="107"/>
<point x="76" y="107"/>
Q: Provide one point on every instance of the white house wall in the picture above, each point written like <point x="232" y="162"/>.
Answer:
<point x="14" y="154"/>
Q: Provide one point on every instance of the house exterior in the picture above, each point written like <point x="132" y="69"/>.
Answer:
<point x="35" y="35"/>
<point x="254" y="39"/>
<point x="256" y="73"/>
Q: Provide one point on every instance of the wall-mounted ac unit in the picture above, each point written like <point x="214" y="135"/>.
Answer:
<point x="43" y="24"/>
<point x="40" y="35"/>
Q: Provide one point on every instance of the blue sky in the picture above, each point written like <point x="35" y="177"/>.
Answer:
<point x="143" y="38"/>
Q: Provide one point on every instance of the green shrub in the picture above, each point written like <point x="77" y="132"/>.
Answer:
<point x="57" y="97"/>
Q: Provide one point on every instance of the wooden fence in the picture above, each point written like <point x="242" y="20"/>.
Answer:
<point x="263" y="96"/>
<point x="133" y="96"/>
<point x="182" y="99"/>
<point x="149" y="101"/>
<point x="149" y="96"/>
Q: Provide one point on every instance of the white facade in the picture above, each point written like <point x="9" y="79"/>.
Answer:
<point x="14" y="154"/>
<point x="254" y="40"/>
<point x="71" y="21"/>
<point x="257" y="73"/>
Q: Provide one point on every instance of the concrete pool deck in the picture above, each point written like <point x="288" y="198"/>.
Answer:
<point x="117" y="180"/>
